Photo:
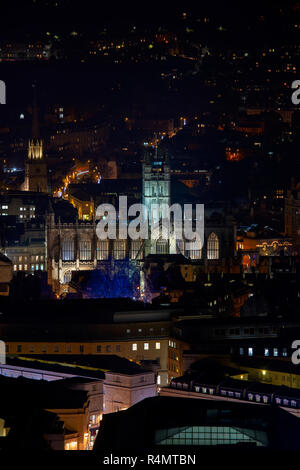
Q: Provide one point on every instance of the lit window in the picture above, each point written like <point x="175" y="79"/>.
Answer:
<point x="67" y="277"/>
<point x="213" y="246"/>
<point x="71" y="446"/>
<point x="267" y="352"/>
<point x="157" y="345"/>
<point x="134" y="347"/>
<point x="15" y="267"/>
<point x="20" y="267"/>
<point x="102" y="249"/>
<point x="68" y="250"/>
<point x="161" y="247"/>
<point x="250" y="351"/>
<point x="136" y="251"/>
<point x="146" y="346"/>
<point x="194" y="254"/>
<point x="128" y="330"/>
<point x="158" y="380"/>
<point x="25" y="267"/>
<point x="4" y="207"/>
<point x="139" y="330"/>
<point x="284" y="352"/>
<point x="119" y="249"/>
<point x="85" y="250"/>
<point x="275" y="352"/>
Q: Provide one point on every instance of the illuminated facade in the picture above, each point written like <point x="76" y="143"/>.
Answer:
<point x="35" y="168"/>
<point x="85" y="208"/>
<point x="113" y="392"/>
<point x="135" y="335"/>
<point x="167" y="351"/>
<point x="75" y="246"/>
<point x="6" y="274"/>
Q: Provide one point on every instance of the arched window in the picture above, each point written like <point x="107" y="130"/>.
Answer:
<point x="195" y="254"/>
<point x="136" y="249"/>
<point x="102" y="249"/>
<point x="161" y="247"/>
<point x="67" y="277"/>
<point x="85" y="250"/>
<point x="213" y="246"/>
<point x="119" y="249"/>
<point x="68" y="250"/>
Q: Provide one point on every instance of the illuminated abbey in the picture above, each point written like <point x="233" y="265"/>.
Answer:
<point x="76" y="247"/>
<point x="35" y="164"/>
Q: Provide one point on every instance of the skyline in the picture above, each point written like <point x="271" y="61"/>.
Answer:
<point x="149" y="231"/>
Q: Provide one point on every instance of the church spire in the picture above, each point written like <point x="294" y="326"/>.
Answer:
<point x="35" y="145"/>
<point x="35" y="164"/>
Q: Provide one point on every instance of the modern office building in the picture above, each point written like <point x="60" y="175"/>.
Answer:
<point x="187" y="424"/>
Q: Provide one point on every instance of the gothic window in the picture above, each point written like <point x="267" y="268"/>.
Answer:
<point x="67" y="276"/>
<point x="195" y="254"/>
<point x="68" y="250"/>
<point x="85" y="250"/>
<point x="161" y="247"/>
<point x="213" y="246"/>
<point x="102" y="249"/>
<point x="119" y="249"/>
<point x="136" y="251"/>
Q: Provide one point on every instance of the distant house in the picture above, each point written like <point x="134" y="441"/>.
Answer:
<point x="6" y="274"/>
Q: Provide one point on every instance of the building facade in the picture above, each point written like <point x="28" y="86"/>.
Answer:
<point x="76" y="247"/>
<point x="35" y="168"/>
